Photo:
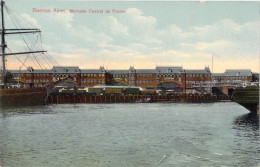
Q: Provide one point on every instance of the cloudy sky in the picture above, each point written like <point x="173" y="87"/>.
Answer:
<point x="148" y="34"/>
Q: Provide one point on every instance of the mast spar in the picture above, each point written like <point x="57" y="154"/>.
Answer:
<point x="3" y="44"/>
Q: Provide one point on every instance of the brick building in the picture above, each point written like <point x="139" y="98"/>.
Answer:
<point x="197" y="76"/>
<point x="171" y="77"/>
<point x="233" y="75"/>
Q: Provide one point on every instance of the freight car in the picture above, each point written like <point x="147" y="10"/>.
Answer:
<point x="120" y="90"/>
<point x="148" y="92"/>
<point x="114" y="90"/>
<point x="131" y="91"/>
<point x="95" y="90"/>
<point x="72" y="91"/>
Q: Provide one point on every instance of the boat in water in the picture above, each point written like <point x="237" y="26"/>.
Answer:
<point x="248" y="97"/>
<point x="9" y="95"/>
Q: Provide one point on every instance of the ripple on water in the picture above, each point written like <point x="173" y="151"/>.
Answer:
<point x="217" y="134"/>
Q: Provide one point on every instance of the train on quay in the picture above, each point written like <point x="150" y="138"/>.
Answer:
<point x="104" y="90"/>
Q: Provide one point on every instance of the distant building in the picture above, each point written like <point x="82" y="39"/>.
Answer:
<point x="197" y="76"/>
<point x="233" y="75"/>
<point x="173" y="78"/>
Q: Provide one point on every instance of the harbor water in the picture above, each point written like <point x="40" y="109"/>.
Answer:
<point x="129" y="135"/>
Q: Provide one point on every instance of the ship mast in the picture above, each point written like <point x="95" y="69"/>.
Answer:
<point x="3" y="44"/>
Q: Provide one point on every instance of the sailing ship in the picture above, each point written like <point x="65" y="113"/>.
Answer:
<point x="17" y="96"/>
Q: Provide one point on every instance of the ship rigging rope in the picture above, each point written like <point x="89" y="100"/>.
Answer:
<point x="51" y="59"/>
<point x="10" y="15"/>
<point x="17" y="24"/>
<point x="23" y="63"/>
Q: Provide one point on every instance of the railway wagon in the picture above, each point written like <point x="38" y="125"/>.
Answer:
<point x="72" y="91"/>
<point x="148" y="92"/>
<point x="131" y="91"/>
<point x="81" y="91"/>
<point x="113" y="91"/>
<point x="94" y="90"/>
<point x="67" y="91"/>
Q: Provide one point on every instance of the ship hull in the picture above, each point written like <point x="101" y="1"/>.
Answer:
<point x="248" y="97"/>
<point x="23" y="96"/>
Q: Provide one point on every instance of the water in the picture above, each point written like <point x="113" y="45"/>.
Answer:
<point x="129" y="135"/>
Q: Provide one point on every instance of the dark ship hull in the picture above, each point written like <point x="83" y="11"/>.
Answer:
<point x="248" y="97"/>
<point x="23" y="96"/>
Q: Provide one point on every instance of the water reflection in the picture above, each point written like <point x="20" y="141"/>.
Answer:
<point x="247" y="129"/>
<point x="248" y="120"/>
<point x="129" y="135"/>
<point x="24" y="110"/>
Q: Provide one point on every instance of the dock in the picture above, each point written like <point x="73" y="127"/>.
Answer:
<point x="176" y="98"/>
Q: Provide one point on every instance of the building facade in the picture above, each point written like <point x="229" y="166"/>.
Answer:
<point x="233" y="75"/>
<point x="162" y="77"/>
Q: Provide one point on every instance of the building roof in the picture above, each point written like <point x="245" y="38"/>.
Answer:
<point x="237" y="72"/>
<point x="195" y="71"/>
<point x="42" y="71"/>
<point x="91" y="71"/>
<point x="217" y="74"/>
<point x="65" y="69"/>
<point x="118" y="71"/>
<point x="149" y="71"/>
<point x="169" y="69"/>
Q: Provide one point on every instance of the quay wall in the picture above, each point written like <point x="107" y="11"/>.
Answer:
<point x="71" y="99"/>
<point x="24" y="96"/>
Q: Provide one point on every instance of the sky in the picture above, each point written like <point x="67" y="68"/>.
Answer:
<point x="146" y="35"/>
